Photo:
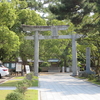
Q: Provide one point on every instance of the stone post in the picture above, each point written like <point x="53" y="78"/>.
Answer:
<point x="36" y="53"/>
<point x="88" y="60"/>
<point x="74" y="56"/>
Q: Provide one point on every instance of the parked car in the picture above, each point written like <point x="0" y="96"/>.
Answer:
<point x="3" y="71"/>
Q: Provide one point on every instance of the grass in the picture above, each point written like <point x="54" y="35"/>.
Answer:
<point x="3" y="94"/>
<point x="15" y="80"/>
<point x="10" y="83"/>
<point x="29" y="95"/>
<point x="35" y="83"/>
<point x="93" y="80"/>
<point x="19" y="77"/>
<point x="82" y="77"/>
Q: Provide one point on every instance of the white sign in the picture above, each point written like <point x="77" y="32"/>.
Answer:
<point x="27" y="69"/>
<point x="18" y="67"/>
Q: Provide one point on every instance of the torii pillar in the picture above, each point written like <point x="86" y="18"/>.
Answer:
<point x="54" y="30"/>
<point x="74" y="56"/>
<point x="36" y="53"/>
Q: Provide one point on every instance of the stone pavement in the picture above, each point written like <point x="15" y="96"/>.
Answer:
<point x="62" y="86"/>
<point x="65" y="87"/>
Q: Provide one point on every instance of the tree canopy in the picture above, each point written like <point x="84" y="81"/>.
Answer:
<point x="82" y="16"/>
<point x="13" y="15"/>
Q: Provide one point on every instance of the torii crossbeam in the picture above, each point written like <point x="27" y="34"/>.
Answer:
<point x="54" y="35"/>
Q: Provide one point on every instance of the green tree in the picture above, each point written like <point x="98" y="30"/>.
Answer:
<point x="9" y="44"/>
<point x="57" y="48"/>
<point x="28" y="17"/>
<point x="9" y="41"/>
<point x="73" y="9"/>
<point x="8" y="15"/>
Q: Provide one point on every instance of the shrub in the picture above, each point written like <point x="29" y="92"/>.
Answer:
<point x="22" y="86"/>
<point x="14" y="96"/>
<point x="45" y="64"/>
<point x="91" y="77"/>
<point x="29" y="76"/>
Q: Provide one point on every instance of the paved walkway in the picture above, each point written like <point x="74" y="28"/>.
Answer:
<point x="65" y="87"/>
<point x="62" y="86"/>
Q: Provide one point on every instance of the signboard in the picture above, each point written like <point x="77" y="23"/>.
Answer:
<point x="27" y="69"/>
<point x="18" y="67"/>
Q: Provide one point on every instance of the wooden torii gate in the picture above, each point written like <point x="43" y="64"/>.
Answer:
<point x="54" y="35"/>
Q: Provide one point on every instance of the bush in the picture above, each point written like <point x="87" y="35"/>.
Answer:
<point x="29" y="76"/>
<point x="14" y="96"/>
<point x="91" y="77"/>
<point x="22" y="86"/>
<point x="45" y="64"/>
<point x="40" y="69"/>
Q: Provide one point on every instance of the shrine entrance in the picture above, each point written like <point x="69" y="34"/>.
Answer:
<point x="54" y="35"/>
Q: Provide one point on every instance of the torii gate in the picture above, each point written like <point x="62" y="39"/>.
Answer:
<point x="54" y="30"/>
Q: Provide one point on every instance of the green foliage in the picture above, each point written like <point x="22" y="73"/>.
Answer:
<point x="8" y="15"/>
<point x="23" y="4"/>
<point x="30" y="17"/>
<point x="13" y="14"/>
<point x="60" y="49"/>
<point x="29" y="95"/>
<point x="17" y="12"/>
<point x="29" y="76"/>
<point x="45" y="64"/>
<point x="33" y="4"/>
<point x="79" y="64"/>
<point x="33" y="79"/>
<point x="9" y="43"/>
<point x="56" y="48"/>
<point x="91" y="77"/>
<point x="76" y="9"/>
<point x="14" y="96"/>
<point x="22" y="86"/>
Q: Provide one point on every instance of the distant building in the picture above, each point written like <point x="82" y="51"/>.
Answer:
<point x="54" y="65"/>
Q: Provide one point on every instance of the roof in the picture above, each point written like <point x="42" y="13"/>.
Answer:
<point x="53" y="60"/>
<point x="28" y="60"/>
